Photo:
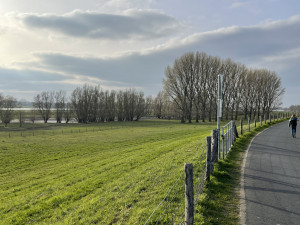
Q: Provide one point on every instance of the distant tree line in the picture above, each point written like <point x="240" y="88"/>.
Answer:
<point x="295" y="109"/>
<point x="191" y="83"/>
<point x="189" y="93"/>
<point x="92" y="104"/>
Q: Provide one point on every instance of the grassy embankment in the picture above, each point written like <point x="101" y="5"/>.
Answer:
<point x="111" y="173"/>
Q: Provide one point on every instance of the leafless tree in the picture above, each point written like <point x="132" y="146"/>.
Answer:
<point x="180" y="81"/>
<point x="43" y="103"/>
<point x="60" y="104"/>
<point x="192" y="84"/>
<point x="140" y="106"/>
<point x="120" y="106"/>
<point x="272" y="92"/>
<point x="7" y="105"/>
<point x="295" y="109"/>
<point x="201" y="86"/>
<point x="68" y="112"/>
<point x="215" y="66"/>
<point x="85" y="103"/>
<point x="33" y="115"/>
<point x="149" y="103"/>
<point x="158" y="104"/>
<point x="110" y="100"/>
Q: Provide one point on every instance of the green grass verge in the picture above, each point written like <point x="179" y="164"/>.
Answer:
<point x="107" y="173"/>
<point x="220" y="201"/>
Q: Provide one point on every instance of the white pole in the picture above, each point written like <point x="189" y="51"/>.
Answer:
<point x="220" y="79"/>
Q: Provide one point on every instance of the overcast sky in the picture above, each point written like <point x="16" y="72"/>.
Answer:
<point x="121" y="44"/>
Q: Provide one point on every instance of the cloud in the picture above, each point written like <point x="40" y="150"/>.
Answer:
<point x="272" y="45"/>
<point x="121" y="5"/>
<point x="133" y="24"/>
<point x="238" y="4"/>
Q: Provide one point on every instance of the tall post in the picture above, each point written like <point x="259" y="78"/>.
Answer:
<point x="189" y="194"/>
<point x="220" y="80"/>
<point x="223" y="153"/>
<point x="241" y="126"/>
<point x="214" y="147"/>
<point x="208" y="157"/>
<point x="20" y="119"/>
<point x="249" y="121"/>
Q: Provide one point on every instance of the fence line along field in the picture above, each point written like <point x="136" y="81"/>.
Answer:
<point x="116" y="174"/>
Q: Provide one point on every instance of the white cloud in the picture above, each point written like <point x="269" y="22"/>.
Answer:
<point x="133" y="24"/>
<point x="64" y="62"/>
<point x="238" y="4"/>
<point x="117" y="6"/>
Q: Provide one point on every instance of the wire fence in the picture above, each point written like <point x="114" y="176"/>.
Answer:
<point x="227" y="134"/>
<point x="171" y="209"/>
<point x="53" y="131"/>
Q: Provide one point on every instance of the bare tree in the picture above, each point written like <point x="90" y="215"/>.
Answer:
<point x="33" y="115"/>
<point x="180" y="81"/>
<point x="120" y="106"/>
<point x="201" y="86"/>
<point x="85" y="103"/>
<point x="7" y="105"/>
<point x="140" y="106"/>
<point x="272" y="92"/>
<point x="192" y="84"/>
<point x="43" y="103"/>
<point x="215" y="66"/>
<point x="158" y="104"/>
<point x="294" y="109"/>
<point x="111" y="105"/>
<point x="68" y="112"/>
<point x="149" y="103"/>
<point x="60" y="105"/>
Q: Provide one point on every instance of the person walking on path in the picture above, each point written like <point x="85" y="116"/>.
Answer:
<point x="293" y="124"/>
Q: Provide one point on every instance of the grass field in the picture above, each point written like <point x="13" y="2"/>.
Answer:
<point x="108" y="173"/>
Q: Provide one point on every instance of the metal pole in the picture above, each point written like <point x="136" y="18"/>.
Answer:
<point x="220" y="78"/>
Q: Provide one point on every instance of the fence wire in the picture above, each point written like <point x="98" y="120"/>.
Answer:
<point x="171" y="210"/>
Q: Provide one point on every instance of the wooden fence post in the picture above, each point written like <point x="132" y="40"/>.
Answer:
<point x="189" y="194"/>
<point x="236" y="135"/>
<point x="255" y="122"/>
<point x="242" y="126"/>
<point x="20" y="119"/>
<point x="214" y="148"/>
<point x="249" y="121"/>
<point x="208" y="157"/>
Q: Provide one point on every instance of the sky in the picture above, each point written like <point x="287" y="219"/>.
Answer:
<point x="122" y="44"/>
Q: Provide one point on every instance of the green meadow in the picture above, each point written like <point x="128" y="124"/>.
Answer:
<point x="106" y="173"/>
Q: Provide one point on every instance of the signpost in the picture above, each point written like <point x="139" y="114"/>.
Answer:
<point x="220" y="80"/>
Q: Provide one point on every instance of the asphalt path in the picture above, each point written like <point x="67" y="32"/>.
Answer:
<point x="271" y="178"/>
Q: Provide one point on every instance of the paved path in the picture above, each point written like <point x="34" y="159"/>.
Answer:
<point x="271" y="178"/>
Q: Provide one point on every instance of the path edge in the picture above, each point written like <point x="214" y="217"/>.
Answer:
<point x="242" y="189"/>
